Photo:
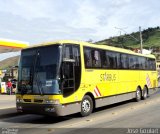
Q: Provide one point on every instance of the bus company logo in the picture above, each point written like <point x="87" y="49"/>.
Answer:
<point x="148" y="81"/>
<point x="96" y="92"/>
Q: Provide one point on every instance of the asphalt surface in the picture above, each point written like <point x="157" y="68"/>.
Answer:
<point x="126" y="117"/>
<point x="7" y="101"/>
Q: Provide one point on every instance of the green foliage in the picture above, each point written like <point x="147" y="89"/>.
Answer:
<point x="151" y="39"/>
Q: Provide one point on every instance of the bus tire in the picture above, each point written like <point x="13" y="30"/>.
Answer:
<point x="145" y="93"/>
<point x="138" y="94"/>
<point x="86" y="106"/>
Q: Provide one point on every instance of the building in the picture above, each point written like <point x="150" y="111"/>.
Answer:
<point x="7" y="45"/>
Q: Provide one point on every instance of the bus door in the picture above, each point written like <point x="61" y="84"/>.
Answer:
<point x="71" y="69"/>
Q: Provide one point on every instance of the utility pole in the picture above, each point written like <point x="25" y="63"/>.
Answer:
<point x="141" y="41"/>
<point x="140" y="33"/>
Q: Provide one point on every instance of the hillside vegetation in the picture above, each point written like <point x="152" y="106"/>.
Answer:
<point x="5" y="64"/>
<point x="151" y="39"/>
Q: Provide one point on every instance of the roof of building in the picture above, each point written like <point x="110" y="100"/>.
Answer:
<point x="7" y="45"/>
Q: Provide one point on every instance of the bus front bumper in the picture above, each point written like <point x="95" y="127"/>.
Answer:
<point x="48" y="109"/>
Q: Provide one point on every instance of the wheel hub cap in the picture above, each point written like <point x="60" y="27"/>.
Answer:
<point x="86" y="106"/>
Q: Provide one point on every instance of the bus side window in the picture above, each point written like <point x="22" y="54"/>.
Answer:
<point x="68" y="55"/>
<point x="71" y="69"/>
<point x="77" y="67"/>
<point x="96" y="61"/>
<point x="67" y="71"/>
<point x="112" y="59"/>
<point x="87" y="57"/>
<point x="118" y="61"/>
<point x="133" y="62"/>
<point x="67" y="52"/>
<point x="152" y="64"/>
<point x="108" y="64"/>
<point x="124" y="61"/>
<point x="104" y="59"/>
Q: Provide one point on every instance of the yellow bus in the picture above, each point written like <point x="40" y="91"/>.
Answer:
<point x="158" y="65"/>
<point x="66" y="77"/>
<point x="158" y="69"/>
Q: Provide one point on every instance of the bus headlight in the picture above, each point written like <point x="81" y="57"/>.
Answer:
<point x="19" y="100"/>
<point x="52" y="102"/>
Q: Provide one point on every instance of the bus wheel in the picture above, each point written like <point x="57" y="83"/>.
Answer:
<point x="138" y="94"/>
<point x="145" y="94"/>
<point x="86" y="106"/>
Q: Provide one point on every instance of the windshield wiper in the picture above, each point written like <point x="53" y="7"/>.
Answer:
<point x="36" y="65"/>
<point x="39" y="84"/>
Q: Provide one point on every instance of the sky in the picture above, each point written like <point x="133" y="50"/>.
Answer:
<point x="37" y="21"/>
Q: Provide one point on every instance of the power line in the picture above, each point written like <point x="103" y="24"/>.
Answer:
<point x="122" y="29"/>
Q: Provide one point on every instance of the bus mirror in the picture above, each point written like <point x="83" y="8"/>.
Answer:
<point x="68" y="60"/>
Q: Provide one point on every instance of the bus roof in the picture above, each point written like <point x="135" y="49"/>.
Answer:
<point x="122" y="50"/>
<point x="7" y="45"/>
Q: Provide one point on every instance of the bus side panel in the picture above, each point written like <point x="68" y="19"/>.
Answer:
<point x="148" y="78"/>
<point x="103" y="81"/>
<point x="114" y="99"/>
<point x="129" y="80"/>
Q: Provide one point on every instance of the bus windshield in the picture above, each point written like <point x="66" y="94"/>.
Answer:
<point x="38" y="70"/>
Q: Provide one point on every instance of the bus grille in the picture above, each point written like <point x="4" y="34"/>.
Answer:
<point x="38" y="101"/>
<point x="27" y="100"/>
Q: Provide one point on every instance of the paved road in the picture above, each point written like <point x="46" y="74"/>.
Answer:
<point x="7" y="101"/>
<point x="7" y="105"/>
<point x="126" y="117"/>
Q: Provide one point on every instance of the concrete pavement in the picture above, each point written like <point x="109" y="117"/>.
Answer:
<point x="7" y="101"/>
<point x="124" y="116"/>
<point x="7" y="105"/>
<point x="7" y="97"/>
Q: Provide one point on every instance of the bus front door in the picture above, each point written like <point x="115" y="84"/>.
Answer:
<point x="68" y="77"/>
